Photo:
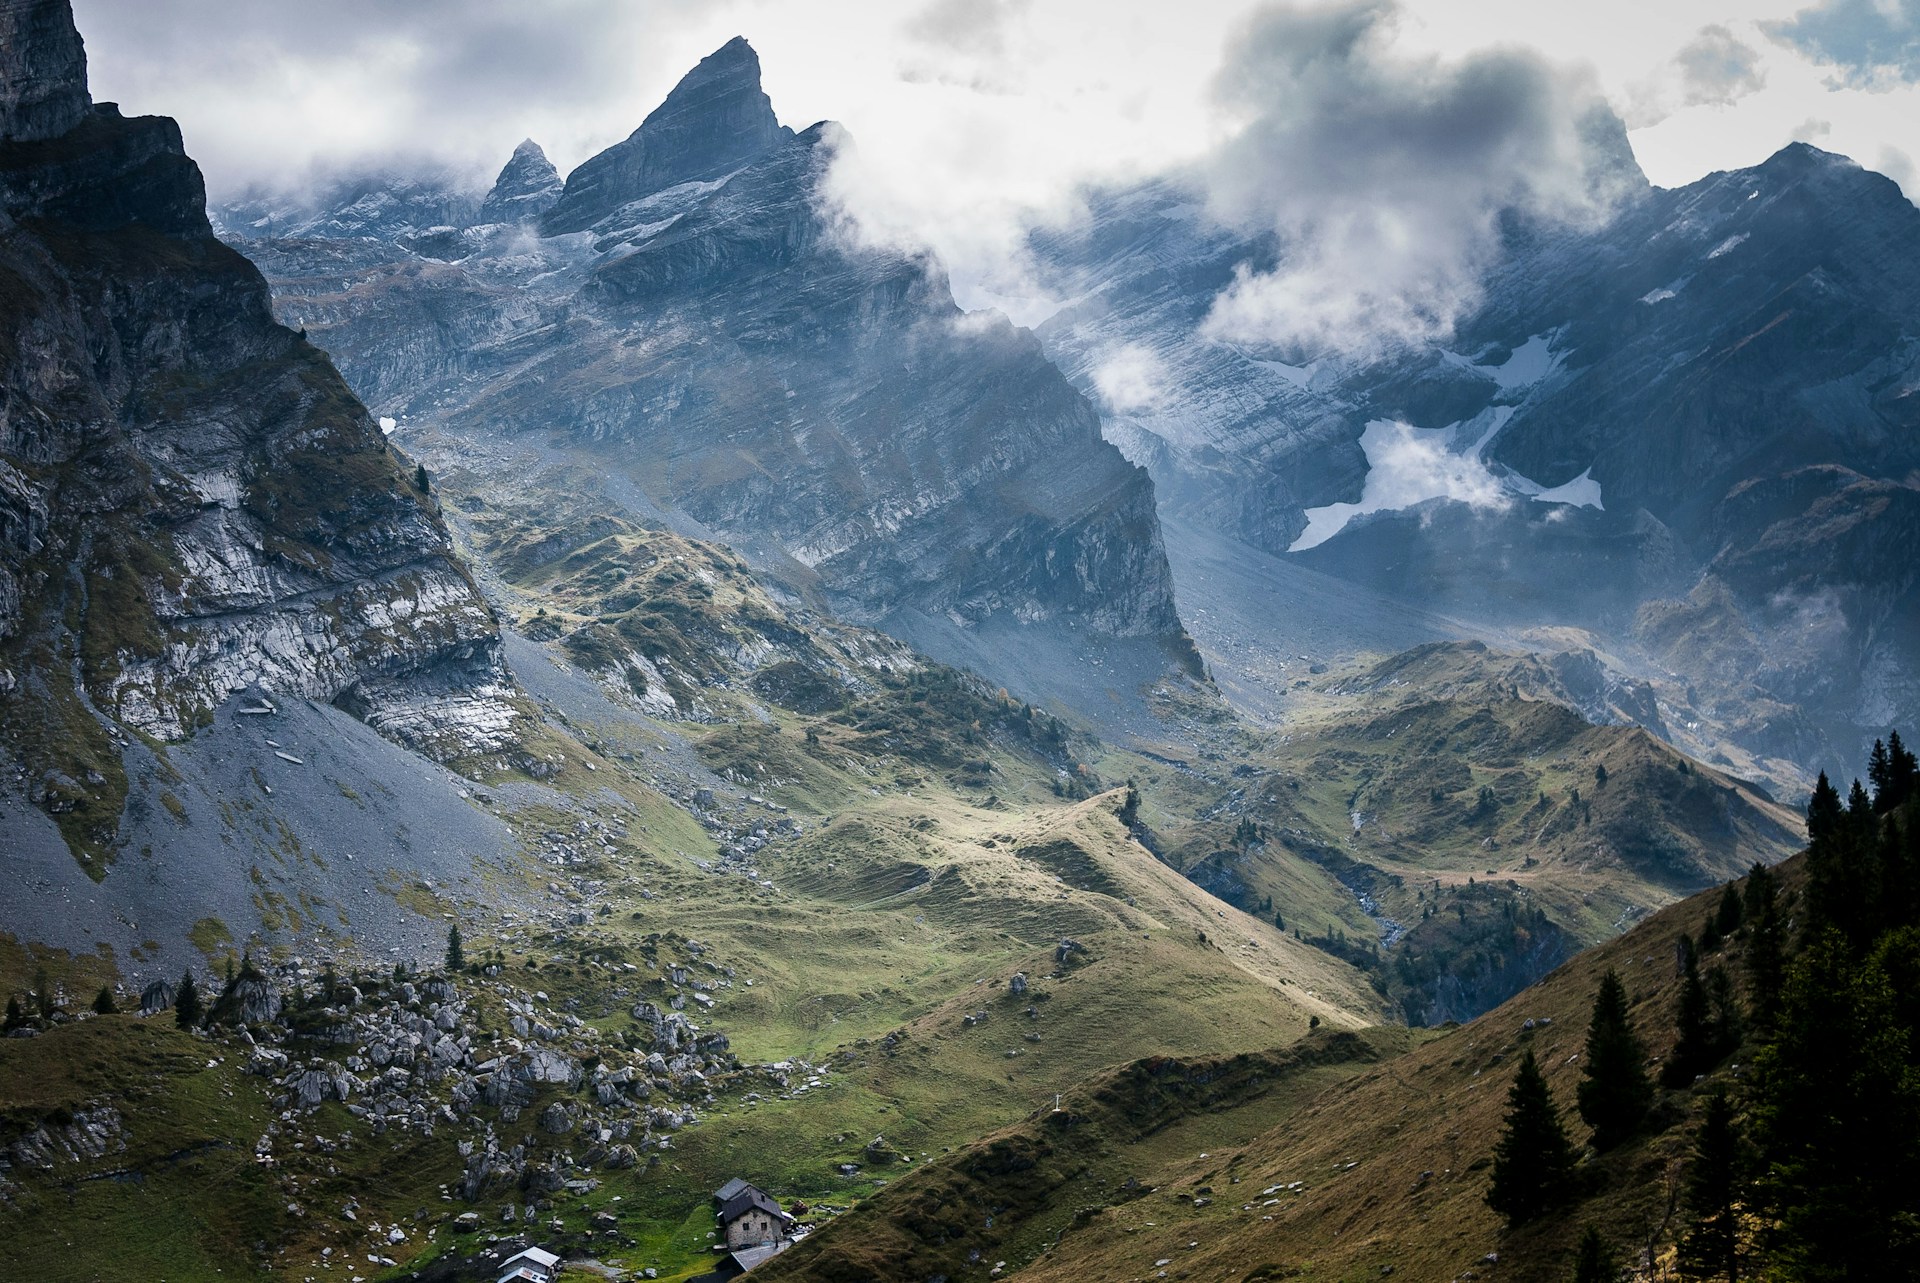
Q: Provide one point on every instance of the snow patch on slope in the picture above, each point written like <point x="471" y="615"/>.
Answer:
<point x="1407" y="465"/>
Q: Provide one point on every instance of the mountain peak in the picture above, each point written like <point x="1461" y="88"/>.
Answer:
<point x="715" y="120"/>
<point x="43" y="70"/>
<point x="527" y="187"/>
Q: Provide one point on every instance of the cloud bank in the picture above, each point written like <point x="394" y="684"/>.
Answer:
<point x="1384" y="171"/>
<point x="1871" y="44"/>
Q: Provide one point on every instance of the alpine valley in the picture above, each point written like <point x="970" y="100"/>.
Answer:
<point x="523" y="707"/>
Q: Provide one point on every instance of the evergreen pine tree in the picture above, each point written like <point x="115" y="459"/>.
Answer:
<point x="1766" y="967"/>
<point x="1710" y="1247"/>
<point x="1615" y="1091"/>
<point x="1724" y="1029"/>
<point x="1880" y="776"/>
<point x="186" y="1002"/>
<point x="1731" y="913"/>
<point x="103" y="1004"/>
<point x="456" y="956"/>
<point x="1693" y="1048"/>
<point x="1903" y="769"/>
<point x="421" y="481"/>
<point x="1824" y="812"/>
<point x="1838" y="1114"/>
<point x="1859" y="805"/>
<point x="1593" y="1261"/>
<point x="1760" y="894"/>
<point x="1532" y="1161"/>
<point x="15" y="1016"/>
<point x="1710" y="934"/>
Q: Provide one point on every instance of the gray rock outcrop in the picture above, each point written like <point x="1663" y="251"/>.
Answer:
<point x="43" y="71"/>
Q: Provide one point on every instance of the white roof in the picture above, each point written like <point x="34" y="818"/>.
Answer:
<point x="535" y="1256"/>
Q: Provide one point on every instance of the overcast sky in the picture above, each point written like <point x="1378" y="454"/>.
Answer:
<point x="973" y="116"/>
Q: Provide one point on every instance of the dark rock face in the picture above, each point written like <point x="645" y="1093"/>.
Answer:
<point x="825" y="408"/>
<point x="715" y="120"/>
<point x="1700" y="366"/>
<point x="527" y="187"/>
<point x="43" y="71"/>
<point x="192" y="502"/>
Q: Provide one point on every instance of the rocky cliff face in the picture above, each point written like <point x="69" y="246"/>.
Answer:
<point x="1684" y="396"/>
<point x="192" y="502"/>
<point x="691" y="322"/>
<point x="43" y="72"/>
<point x="716" y="120"/>
<point x="527" y="187"/>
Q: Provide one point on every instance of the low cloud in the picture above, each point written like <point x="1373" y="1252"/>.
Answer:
<point x="1384" y="173"/>
<point x="1870" y="44"/>
<point x="1130" y="379"/>
<point x="1718" y="68"/>
<point x="274" y="92"/>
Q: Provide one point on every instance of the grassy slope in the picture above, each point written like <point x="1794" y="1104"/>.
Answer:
<point x="1392" y="1161"/>
<point x="1458" y="764"/>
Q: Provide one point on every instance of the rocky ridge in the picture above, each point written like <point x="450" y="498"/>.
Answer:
<point x="692" y="322"/>
<point x="192" y="502"/>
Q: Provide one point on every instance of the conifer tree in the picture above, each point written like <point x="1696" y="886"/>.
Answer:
<point x="1761" y="892"/>
<point x="1824" y="812"/>
<point x="1838" y="1116"/>
<point x="1903" y="770"/>
<point x="1731" y="913"/>
<point x="1896" y="892"/>
<point x="1615" y="1091"/>
<point x="1532" y="1161"/>
<point x="1693" y="1048"/>
<point x="456" y="955"/>
<point x="15" y="1016"/>
<point x="1880" y="777"/>
<point x="1766" y="964"/>
<point x="1711" y="1246"/>
<point x="1724" y="1027"/>
<point x="103" y="1004"/>
<point x="1859" y="805"/>
<point x="1593" y="1261"/>
<point x="186" y="1002"/>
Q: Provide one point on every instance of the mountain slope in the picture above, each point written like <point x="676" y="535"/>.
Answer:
<point x="692" y="319"/>
<point x="1385" y="1171"/>
<point x="194" y="502"/>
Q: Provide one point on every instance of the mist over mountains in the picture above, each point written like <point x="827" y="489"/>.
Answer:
<point x="529" y="703"/>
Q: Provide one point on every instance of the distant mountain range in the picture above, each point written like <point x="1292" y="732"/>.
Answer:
<point x="1691" y="431"/>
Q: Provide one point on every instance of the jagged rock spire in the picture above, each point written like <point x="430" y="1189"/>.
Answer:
<point x="716" y="119"/>
<point x="527" y="187"/>
<point x="43" y="70"/>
